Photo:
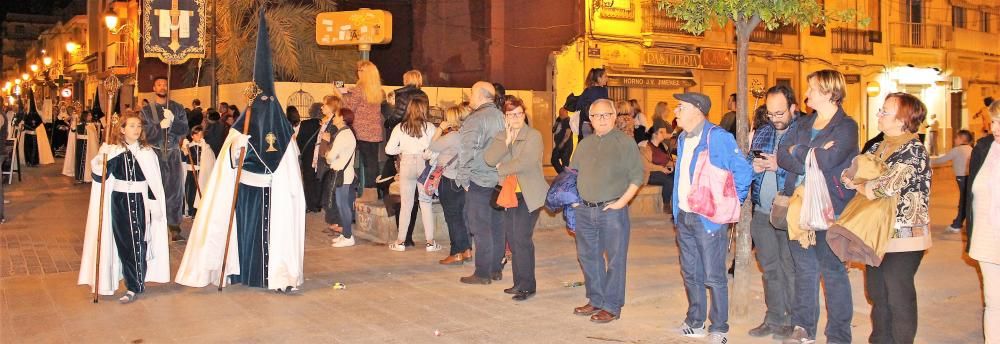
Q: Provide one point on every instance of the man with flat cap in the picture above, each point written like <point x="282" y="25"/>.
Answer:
<point x="702" y="243"/>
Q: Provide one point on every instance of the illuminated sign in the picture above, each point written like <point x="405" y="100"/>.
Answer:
<point x="714" y="59"/>
<point x="361" y="27"/>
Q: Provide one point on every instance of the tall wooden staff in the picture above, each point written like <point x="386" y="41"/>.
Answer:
<point x="251" y="92"/>
<point x="111" y="85"/>
<point x="194" y="173"/>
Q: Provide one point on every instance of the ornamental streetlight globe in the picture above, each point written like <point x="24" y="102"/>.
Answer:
<point x="47" y="61"/>
<point x="34" y="68"/>
<point x="111" y="20"/>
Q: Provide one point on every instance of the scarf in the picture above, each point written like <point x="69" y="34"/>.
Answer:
<point x="893" y="143"/>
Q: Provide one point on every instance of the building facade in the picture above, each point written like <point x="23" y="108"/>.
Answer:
<point x="913" y="46"/>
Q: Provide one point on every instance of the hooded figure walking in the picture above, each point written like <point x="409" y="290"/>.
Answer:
<point x="265" y="248"/>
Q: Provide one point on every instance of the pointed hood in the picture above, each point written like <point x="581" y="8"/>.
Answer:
<point x="270" y="133"/>
<point x="32" y="109"/>
<point x="96" y="110"/>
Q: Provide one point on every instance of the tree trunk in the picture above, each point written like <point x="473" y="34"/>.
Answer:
<point x="741" y="279"/>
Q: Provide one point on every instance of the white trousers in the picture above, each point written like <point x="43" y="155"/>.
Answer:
<point x="991" y="294"/>
<point x="410" y="167"/>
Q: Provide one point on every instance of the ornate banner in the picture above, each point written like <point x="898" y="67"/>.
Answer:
<point x="173" y="30"/>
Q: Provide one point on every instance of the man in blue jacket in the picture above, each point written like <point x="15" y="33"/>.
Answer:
<point x="704" y="244"/>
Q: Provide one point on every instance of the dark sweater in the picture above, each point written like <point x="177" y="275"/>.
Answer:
<point x="588" y="97"/>
<point x="979" y="153"/>
<point x="843" y="131"/>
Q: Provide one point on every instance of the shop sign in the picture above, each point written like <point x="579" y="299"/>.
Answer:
<point x="649" y="82"/>
<point x="715" y="59"/>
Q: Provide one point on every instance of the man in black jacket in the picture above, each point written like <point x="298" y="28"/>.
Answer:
<point x="306" y="139"/>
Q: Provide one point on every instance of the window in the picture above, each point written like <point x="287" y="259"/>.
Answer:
<point x="958" y="17"/>
<point x="984" y="21"/>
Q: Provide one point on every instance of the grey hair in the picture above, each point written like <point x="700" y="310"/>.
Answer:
<point x="608" y="102"/>
<point x="485" y="94"/>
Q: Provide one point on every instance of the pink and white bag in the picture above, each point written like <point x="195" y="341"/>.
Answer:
<point x="713" y="193"/>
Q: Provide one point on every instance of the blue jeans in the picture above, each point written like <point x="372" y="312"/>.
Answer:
<point x="810" y="264"/>
<point x="703" y="265"/>
<point x="345" y="206"/>
<point x="484" y="224"/>
<point x="599" y="232"/>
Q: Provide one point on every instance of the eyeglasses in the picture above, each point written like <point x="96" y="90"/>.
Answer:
<point x="777" y="114"/>
<point x="603" y="115"/>
<point x="514" y="114"/>
<point x="882" y="113"/>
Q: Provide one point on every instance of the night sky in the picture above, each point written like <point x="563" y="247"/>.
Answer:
<point x="31" y="7"/>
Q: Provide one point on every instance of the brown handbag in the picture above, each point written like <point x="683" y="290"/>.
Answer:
<point x="779" y="212"/>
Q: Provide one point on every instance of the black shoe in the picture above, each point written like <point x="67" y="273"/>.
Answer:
<point x="762" y="330"/>
<point x="511" y="291"/>
<point x="474" y="280"/>
<point x="496" y="276"/>
<point x="523" y="295"/>
<point x="409" y="244"/>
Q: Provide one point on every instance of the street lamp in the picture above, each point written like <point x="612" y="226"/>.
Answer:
<point x="111" y="20"/>
<point x="72" y="47"/>
<point x="25" y="76"/>
<point x="34" y="68"/>
<point x="47" y="61"/>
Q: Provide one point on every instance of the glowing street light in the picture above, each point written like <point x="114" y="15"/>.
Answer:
<point x="17" y="82"/>
<point x="72" y="47"/>
<point x="34" y="68"/>
<point x="111" y="20"/>
<point x="47" y="61"/>
<point x="25" y="76"/>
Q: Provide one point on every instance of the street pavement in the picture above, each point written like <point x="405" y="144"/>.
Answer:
<point x="394" y="297"/>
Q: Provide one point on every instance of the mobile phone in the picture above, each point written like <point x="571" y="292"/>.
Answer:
<point x="757" y="154"/>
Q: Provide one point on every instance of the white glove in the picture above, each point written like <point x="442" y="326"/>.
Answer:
<point x="165" y="123"/>
<point x="167" y="114"/>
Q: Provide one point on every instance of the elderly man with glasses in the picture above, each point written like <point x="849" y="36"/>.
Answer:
<point x="610" y="173"/>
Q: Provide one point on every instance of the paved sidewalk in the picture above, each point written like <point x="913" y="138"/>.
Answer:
<point x="406" y="297"/>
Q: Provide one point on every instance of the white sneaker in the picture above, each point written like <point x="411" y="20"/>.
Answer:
<point x="953" y="229"/>
<point x="692" y="332"/>
<point x="717" y="338"/>
<point x="344" y="242"/>
<point x="397" y="247"/>
<point x="433" y="247"/>
<point x="337" y="239"/>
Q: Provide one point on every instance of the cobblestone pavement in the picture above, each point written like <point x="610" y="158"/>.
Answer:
<point x="406" y="297"/>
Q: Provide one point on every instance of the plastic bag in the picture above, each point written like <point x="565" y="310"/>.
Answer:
<point x="817" y="210"/>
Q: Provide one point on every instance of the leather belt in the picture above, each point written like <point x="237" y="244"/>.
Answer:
<point x="598" y="204"/>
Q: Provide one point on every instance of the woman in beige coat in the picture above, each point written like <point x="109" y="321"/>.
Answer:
<point x="518" y="151"/>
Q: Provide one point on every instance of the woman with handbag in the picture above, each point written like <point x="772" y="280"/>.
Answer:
<point x="832" y="138"/>
<point x="340" y="158"/>
<point x="324" y="143"/>
<point x="447" y="145"/>
<point x="409" y="139"/>
<point x="517" y="154"/>
<point x="983" y="207"/>
<point x="907" y="178"/>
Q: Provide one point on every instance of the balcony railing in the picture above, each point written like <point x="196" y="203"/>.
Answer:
<point x="655" y="20"/>
<point x="761" y="35"/>
<point x="852" y="41"/>
<point x="121" y="57"/>
<point x="920" y="35"/>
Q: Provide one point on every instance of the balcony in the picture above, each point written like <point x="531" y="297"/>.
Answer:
<point x="920" y="35"/>
<point x="976" y="41"/>
<point x="120" y="57"/>
<point x="853" y="41"/>
<point x="655" y="20"/>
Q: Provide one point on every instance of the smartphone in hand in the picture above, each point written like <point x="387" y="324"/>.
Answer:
<point x="757" y="154"/>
